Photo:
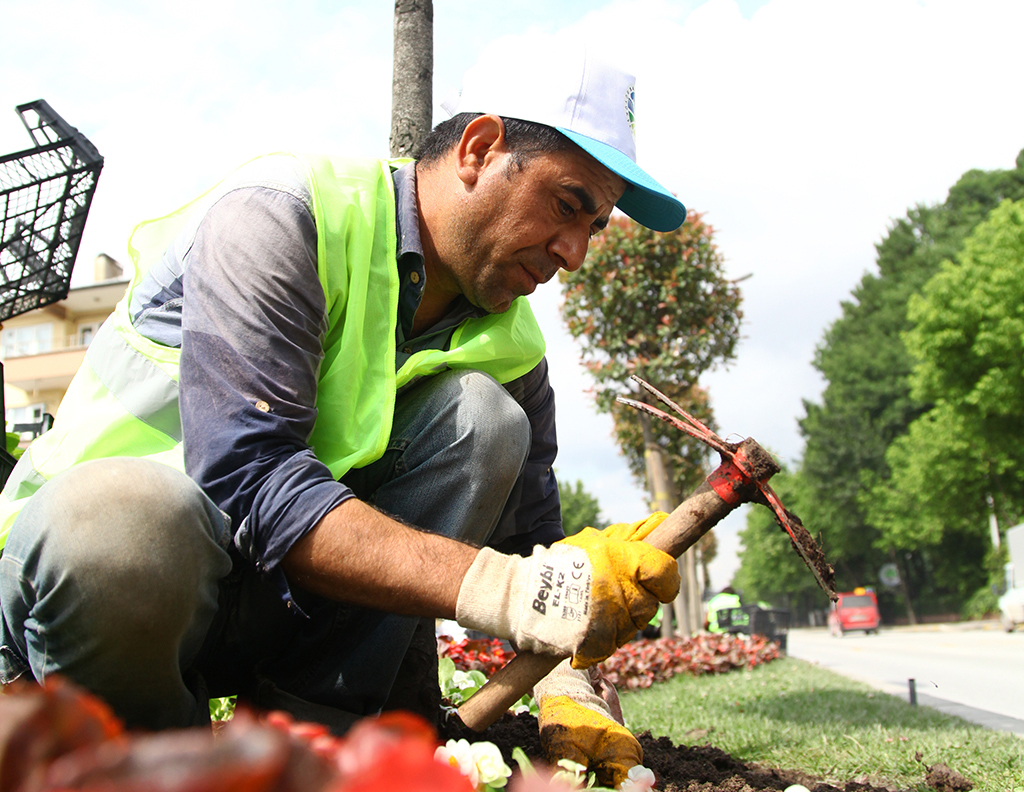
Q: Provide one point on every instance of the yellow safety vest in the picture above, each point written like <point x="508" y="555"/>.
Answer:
<point x="123" y="401"/>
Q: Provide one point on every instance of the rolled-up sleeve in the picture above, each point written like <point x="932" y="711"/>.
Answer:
<point x="253" y="319"/>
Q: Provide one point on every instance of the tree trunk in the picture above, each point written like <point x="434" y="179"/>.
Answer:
<point x="411" y="97"/>
<point x="694" y="590"/>
<point x="664" y="498"/>
<point x="415" y="687"/>
<point x="903" y="585"/>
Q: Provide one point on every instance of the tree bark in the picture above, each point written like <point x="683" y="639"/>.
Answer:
<point x="664" y="498"/>
<point x="904" y="589"/>
<point x="411" y="91"/>
<point x="694" y="594"/>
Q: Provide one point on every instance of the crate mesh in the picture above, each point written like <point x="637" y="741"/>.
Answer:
<point x="45" y="194"/>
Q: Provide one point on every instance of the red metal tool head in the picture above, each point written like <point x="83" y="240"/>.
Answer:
<point x="753" y="474"/>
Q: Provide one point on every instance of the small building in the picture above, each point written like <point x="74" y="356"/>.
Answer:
<point x="42" y="349"/>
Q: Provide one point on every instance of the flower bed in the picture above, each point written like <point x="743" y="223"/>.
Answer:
<point x="638" y="664"/>
<point x="484" y="655"/>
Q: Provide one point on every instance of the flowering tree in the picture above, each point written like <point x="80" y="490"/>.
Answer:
<point x="656" y="305"/>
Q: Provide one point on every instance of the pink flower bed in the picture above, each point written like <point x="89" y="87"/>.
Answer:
<point x="640" y="664"/>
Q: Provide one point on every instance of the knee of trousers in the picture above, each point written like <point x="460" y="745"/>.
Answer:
<point x="120" y="542"/>
<point x="494" y="423"/>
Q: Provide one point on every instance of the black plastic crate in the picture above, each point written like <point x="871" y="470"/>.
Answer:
<point x="45" y="193"/>
<point x="772" y="623"/>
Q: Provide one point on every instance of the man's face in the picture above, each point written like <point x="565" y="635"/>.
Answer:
<point x="517" y="227"/>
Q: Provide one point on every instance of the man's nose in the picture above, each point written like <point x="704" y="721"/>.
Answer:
<point x="570" y="245"/>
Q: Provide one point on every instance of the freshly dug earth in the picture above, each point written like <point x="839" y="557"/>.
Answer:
<point x="679" y="768"/>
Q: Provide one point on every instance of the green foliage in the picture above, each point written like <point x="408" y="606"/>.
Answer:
<point x="982" y="603"/>
<point x="457" y="686"/>
<point x="968" y="338"/>
<point x="580" y="509"/>
<point x="869" y="403"/>
<point x="937" y="484"/>
<point x="658" y="306"/>
<point x="13" y="438"/>
<point x="223" y="709"/>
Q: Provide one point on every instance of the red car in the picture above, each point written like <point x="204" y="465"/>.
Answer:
<point x="855" y="610"/>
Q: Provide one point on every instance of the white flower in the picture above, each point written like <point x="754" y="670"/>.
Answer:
<point x="638" y="779"/>
<point x="463" y="680"/>
<point x="572" y="773"/>
<point x="490" y="767"/>
<point x="459" y="754"/>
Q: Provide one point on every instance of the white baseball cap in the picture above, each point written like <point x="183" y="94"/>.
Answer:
<point x="560" y="84"/>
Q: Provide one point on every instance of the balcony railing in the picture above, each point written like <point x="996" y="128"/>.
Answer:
<point x="64" y="344"/>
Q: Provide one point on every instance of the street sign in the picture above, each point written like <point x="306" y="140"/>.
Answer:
<point x="889" y="575"/>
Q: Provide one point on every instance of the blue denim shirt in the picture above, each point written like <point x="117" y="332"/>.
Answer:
<point x="238" y="292"/>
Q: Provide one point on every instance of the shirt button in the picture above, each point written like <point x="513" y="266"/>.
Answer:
<point x="414" y="277"/>
<point x="262" y="406"/>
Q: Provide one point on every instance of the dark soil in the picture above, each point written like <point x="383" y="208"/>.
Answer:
<point x="944" y="779"/>
<point x="678" y="768"/>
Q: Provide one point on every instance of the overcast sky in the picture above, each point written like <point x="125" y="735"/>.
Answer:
<point x="800" y="127"/>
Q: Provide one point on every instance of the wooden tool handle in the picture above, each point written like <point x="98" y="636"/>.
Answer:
<point x="693" y="518"/>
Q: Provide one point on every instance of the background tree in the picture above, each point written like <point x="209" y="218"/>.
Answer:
<point x="658" y="306"/>
<point x="415" y="688"/>
<point x="580" y="509"/>
<point x="868" y="403"/>
<point x="412" y="75"/>
<point x="964" y="457"/>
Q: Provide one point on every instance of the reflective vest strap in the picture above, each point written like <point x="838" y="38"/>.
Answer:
<point x="23" y="481"/>
<point x="142" y="388"/>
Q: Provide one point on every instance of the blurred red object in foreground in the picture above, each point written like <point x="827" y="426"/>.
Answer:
<point x="40" y="723"/>
<point x="58" y="737"/>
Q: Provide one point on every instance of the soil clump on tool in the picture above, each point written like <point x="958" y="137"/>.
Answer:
<point x="678" y="768"/>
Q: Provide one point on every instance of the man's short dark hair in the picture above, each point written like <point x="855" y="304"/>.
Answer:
<point x="525" y="139"/>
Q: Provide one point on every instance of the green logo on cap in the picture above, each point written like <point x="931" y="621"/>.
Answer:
<point x="631" y="110"/>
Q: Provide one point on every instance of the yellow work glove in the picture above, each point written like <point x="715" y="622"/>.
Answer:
<point x="578" y="724"/>
<point x="584" y="596"/>
<point x="624" y="541"/>
<point x="634" y="532"/>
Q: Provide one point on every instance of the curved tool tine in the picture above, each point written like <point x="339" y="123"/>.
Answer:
<point x="690" y="425"/>
<point x="805" y="545"/>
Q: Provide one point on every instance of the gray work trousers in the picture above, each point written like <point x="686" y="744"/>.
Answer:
<point x="119" y="573"/>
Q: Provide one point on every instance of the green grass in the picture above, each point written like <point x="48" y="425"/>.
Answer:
<point x="793" y="715"/>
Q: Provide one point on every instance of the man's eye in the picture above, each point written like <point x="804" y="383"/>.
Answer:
<point x="566" y="208"/>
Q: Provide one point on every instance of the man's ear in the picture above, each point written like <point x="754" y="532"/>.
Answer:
<point x="483" y="141"/>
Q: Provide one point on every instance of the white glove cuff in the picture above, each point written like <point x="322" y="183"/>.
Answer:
<point x="565" y="680"/>
<point x="489" y="593"/>
<point x="540" y="603"/>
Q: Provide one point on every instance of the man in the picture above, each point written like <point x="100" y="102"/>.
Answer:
<point x="323" y="394"/>
<point x="726" y="599"/>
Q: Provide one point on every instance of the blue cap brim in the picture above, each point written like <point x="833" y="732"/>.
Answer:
<point x="645" y="200"/>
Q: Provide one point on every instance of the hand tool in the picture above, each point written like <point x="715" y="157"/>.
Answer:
<point x="742" y="477"/>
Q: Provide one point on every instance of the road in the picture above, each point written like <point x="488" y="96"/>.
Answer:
<point x="974" y="670"/>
